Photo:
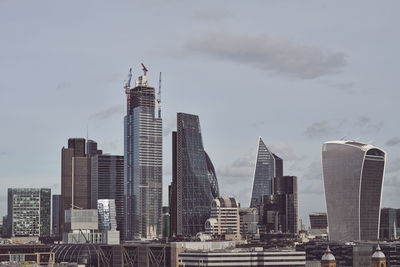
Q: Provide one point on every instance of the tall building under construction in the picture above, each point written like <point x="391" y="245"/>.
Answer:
<point x="142" y="161"/>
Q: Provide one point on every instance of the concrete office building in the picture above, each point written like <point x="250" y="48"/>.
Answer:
<point x="55" y="215"/>
<point x="249" y="219"/>
<point x="75" y="178"/>
<point x="29" y="212"/>
<point x="143" y="161"/>
<point x="194" y="181"/>
<point x="224" y="219"/>
<point x="268" y="166"/>
<point x="107" y="182"/>
<point x="353" y="178"/>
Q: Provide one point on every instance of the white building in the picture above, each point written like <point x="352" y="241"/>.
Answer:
<point x="224" y="219"/>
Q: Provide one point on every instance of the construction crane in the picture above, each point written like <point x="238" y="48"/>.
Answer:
<point x="159" y="97"/>
<point x="144" y="70"/>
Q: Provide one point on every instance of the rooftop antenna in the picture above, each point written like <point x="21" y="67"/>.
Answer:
<point x="159" y="97"/>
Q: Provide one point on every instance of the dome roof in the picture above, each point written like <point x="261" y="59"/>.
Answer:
<point x="328" y="256"/>
<point x="378" y="254"/>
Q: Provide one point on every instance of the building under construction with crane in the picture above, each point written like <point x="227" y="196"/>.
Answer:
<point x="143" y="160"/>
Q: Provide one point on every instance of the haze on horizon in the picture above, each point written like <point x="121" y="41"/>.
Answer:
<point x="296" y="73"/>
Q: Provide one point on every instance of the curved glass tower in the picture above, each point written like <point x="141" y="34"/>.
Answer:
<point x="268" y="166"/>
<point x="194" y="183"/>
<point x="353" y="179"/>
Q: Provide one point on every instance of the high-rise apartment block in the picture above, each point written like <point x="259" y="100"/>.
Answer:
<point x="107" y="182"/>
<point x="29" y="212"/>
<point x="75" y="177"/>
<point x="353" y="176"/>
<point x="143" y="161"/>
<point x="194" y="182"/>
<point x="268" y="166"/>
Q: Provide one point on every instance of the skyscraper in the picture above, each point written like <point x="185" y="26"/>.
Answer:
<point x="75" y="177"/>
<point x="29" y="211"/>
<point x="353" y="178"/>
<point x="143" y="161"/>
<point x="56" y="207"/>
<point x="268" y="166"/>
<point x="107" y="182"/>
<point x="194" y="182"/>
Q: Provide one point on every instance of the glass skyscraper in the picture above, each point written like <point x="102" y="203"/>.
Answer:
<point x="107" y="214"/>
<point x="194" y="182"/>
<point x="143" y="162"/>
<point x="29" y="211"/>
<point x="353" y="178"/>
<point x="268" y="166"/>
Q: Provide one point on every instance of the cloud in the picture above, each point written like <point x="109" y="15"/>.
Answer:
<point x="393" y="166"/>
<point x="241" y="168"/>
<point x="169" y="125"/>
<point x="318" y="129"/>
<point x="366" y="125"/>
<point x="285" y="151"/>
<point x="392" y="180"/>
<point x="393" y="141"/>
<point x="314" y="171"/>
<point x="63" y="85"/>
<point x="268" y="53"/>
<point x="105" y="114"/>
<point x="315" y="187"/>
<point x="3" y="153"/>
<point x="212" y="14"/>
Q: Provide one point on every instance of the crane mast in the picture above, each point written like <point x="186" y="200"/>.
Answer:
<point x="159" y="97"/>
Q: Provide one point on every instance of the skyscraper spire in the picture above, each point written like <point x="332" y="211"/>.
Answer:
<point x="159" y="97"/>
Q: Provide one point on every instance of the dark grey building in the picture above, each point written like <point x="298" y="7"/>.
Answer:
<point x="75" y="177"/>
<point x="107" y="182"/>
<point x="353" y="175"/>
<point x="29" y="212"/>
<point x="267" y="166"/>
<point x="91" y="148"/>
<point x="389" y="224"/>
<point x="279" y="211"/>
<point x="318" y="221"/>
<point x="143" y="161"/>
<point x="55" y="215"/>
<point x="194" y="182"/>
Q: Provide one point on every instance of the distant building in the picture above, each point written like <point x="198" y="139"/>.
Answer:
<point x="389" y="228"/>
<point x="224" y="219"/>
<point x="91" y="148"/>
<point x="107" y="214"/>
<point x="75" y="178"/>
<point x="6" y="230"/>
<point x="279" y="211"/>
<point x="318" y="220"/>
<point x="55" y="215"/>
<point x="353" y="175"/>
<point x="194" y="181"/>
<point x="378" y="258"/>
<point x="29" y="212"/>
<point x="165" y="222"/>
<point x="107" y="182"/>
<point x="242" y="257"/>
<point x="26" y="255"/>
<point x="328" y="259"/>
<point x="249" y="220"/>
<point x="143" y="161"/>
<point x="268" y="166"/>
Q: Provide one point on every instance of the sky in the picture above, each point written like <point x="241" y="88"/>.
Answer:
<point x="296" y="73"/>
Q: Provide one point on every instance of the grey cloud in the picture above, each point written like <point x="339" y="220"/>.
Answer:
<point x="365" y="124"/>
<point x="169" y="125"/>
<point x="241" y="168"/>
<point x="212" y="14"/>
<point x="285" y="151"/>
<point x="393" y="141"/>
<point x="315" y="187"/>
<point x="318" y="129"/>
<point x="269" y="54"/>
<point x="105" y="114"/>
<point x="314" y="171"/>
<point x="257" y="124"/>
<point x="63" y="85"/>
<point x="392" y="180"/>
<point x="393" y="166"/>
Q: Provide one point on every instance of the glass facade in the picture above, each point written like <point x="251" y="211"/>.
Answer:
<point x="143" y="163"/>
<point x="195" y="183"/>
<point x="107" y="214"/>
<point x="353" y="175"/>
<point x="56" y="207"/>
<point x="29" y="211"/>
<point x="264" y="172"/>
<point x="389" y="224"/>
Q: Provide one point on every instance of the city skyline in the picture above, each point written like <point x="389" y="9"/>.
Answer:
<point x="84" y="62"/>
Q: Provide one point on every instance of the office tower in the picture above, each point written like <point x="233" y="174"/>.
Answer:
<point x="29" y="212"/>
<point x="75" y="177"/>
<point x="279" y="211"/>
<point x="91" y="148"/>
<point x="249" y="219"/>
<point x="55" y="215"/>
<point x="267" y="166"/>
<point x="165" y="222"/>
<point x="143" y="161"/>
<point x="6" y="231"/>
<point x="224" y="219"/>
<point x="194" y="182"/>
<point x="353" y="177"/>
<point x="389" y="228"/>
<point x="107" y="182"/>
<point x="107" y="214"/>
<point x="318" y="220"/>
